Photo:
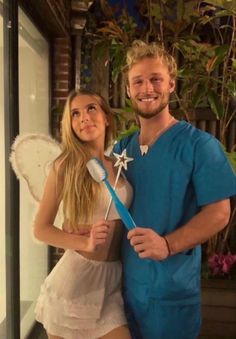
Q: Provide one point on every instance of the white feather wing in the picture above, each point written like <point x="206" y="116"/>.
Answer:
<point x="31" y="157"/>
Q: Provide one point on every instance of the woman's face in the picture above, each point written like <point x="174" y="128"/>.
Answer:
<point x="88" y="120"/>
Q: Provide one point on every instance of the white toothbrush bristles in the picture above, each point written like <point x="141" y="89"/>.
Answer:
<point x="99" y="174"/>
<point x="96" y="170"/>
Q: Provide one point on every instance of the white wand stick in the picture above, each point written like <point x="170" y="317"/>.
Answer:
<point x="110" y="202"/>
<point x="122" y="160"/>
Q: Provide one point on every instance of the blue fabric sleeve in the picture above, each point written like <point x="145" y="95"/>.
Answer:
<point x="213" y="176"/>
<point x="121" y="145"/>
<point x="117" y="148"/>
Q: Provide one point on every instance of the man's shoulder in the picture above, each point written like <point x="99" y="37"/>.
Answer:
<point x="124" y="142"/>
<point x="195" y="135"/>
<point x="193" y="131"/>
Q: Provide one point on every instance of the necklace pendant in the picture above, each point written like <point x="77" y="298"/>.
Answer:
<point x="143" y="149"/>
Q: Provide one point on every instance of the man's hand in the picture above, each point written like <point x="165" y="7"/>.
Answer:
<point x="98" y="235"/>
<point x="148" y="244"/>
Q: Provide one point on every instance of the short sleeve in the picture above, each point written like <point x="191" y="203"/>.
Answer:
<point x="117" y="148"/>
<point x="213" y="176"/>
<point x="120" y="145"/>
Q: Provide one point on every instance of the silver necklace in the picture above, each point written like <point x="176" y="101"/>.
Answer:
<point x="144" y="148"/>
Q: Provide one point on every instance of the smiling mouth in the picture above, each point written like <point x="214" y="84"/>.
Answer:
<point x="147" y="99"/>
<point x="87" y="128"/>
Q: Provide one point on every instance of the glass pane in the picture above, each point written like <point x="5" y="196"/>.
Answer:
<point x="34" y="118"/>
<point x="2" y="194"/>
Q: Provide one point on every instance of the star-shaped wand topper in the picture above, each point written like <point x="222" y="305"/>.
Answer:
<point x="122" y="159"/>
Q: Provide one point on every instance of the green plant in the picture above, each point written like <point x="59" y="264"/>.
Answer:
<point x="200" y="35"/>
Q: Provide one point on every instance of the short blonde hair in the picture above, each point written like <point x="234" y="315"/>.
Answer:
<point x="140" y="50"/>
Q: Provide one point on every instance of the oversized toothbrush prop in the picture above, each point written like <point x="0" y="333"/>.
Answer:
<point x="99" y="174"/>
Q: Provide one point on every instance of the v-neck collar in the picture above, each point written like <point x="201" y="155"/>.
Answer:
<point x="168" y="132"/>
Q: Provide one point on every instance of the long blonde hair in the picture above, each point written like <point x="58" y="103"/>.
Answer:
<point x="140" y="50"/>
<point x="79" y="191"/>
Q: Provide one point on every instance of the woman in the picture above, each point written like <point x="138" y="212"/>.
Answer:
<point x="81" y="297"/>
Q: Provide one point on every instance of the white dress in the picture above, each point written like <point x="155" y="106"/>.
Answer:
<point x="81" y="298"/>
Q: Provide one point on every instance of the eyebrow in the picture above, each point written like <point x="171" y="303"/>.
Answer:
<point x="140" y="76"/>
<point x="90" y="104"/>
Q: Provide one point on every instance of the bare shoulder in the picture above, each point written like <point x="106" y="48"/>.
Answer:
<point x="54" y="183"/>
<point x="58" y="170"/>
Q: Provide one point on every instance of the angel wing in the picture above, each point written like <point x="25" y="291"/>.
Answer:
<point x="31" y="157"/>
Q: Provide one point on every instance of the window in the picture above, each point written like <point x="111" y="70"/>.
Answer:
<point x="33" y="64"/>
<point x="33" y="118"/>
<point x="2" y="194"/>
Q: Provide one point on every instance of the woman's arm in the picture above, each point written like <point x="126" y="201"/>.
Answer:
<point x="45" y="231"/>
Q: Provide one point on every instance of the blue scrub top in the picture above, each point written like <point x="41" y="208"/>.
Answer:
<point x="183" y="170"/>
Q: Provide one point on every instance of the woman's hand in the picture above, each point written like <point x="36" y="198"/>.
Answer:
<point x="98" y="235"/>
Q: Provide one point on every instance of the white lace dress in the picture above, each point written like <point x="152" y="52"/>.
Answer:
<point x="81" y="298"/>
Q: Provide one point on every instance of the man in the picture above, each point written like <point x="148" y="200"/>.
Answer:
<point x="182" y="183"/>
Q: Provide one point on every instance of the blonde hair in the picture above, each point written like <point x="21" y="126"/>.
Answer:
<point x="140" y="50"/>
<point x="79" y="191"/>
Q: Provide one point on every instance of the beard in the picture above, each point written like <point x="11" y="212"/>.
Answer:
<point x="150" y="114"/>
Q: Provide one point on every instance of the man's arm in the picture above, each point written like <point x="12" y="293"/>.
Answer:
<point x="211" y="219"/>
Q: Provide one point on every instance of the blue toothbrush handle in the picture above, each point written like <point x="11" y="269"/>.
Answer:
<point x="121" y="209"/>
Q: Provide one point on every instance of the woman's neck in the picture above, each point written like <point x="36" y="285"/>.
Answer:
<point x="96" y="149"/>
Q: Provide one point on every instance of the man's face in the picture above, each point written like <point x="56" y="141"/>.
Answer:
<point x="149" y="87"/>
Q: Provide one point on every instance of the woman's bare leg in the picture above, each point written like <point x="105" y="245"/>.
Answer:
<point x="119" y="332"/>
